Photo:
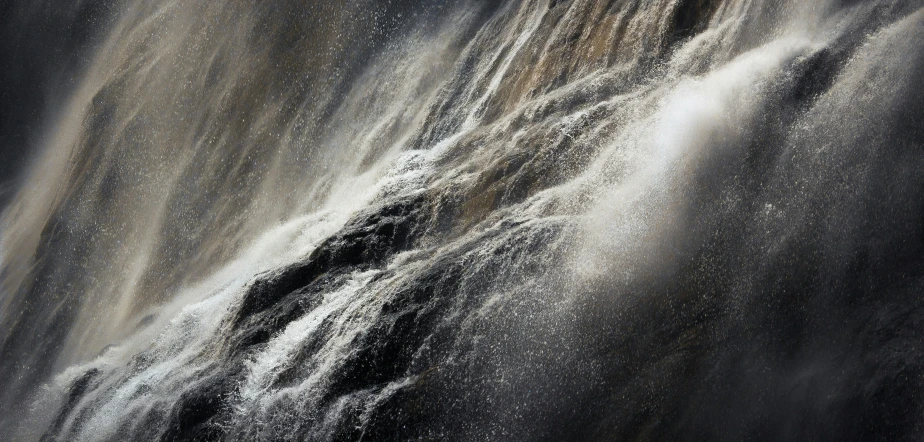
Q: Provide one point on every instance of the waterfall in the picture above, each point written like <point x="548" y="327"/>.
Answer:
<point x="474" y="220"/>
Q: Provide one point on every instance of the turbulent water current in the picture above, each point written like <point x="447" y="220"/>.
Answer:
<point x="464" y="220"/>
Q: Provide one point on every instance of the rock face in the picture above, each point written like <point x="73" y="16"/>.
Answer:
<point x="523" y="220"/>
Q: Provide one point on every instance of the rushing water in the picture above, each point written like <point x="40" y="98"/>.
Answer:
<point x="475" y="220"/>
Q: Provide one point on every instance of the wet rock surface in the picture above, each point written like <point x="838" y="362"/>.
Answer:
<point x="670" y="220"/>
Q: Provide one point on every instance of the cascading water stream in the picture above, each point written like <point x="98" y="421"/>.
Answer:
<point x="403" y="220"/>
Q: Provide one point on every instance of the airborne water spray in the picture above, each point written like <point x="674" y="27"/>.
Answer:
<point x="555" y="220"/>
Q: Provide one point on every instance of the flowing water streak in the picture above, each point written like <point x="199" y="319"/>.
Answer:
<point x="541" y="178"/>
<point x="120" y="147"/>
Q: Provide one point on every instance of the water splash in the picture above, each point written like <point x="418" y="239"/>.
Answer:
<point x="522" y="220"/>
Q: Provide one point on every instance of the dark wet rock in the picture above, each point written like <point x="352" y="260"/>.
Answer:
<point x="193" y="417"/>
<point x="386" y="352"/>
<point x="797" y="320"/>
<point x="691" y="17"/>
<point x="366" y="241"/>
